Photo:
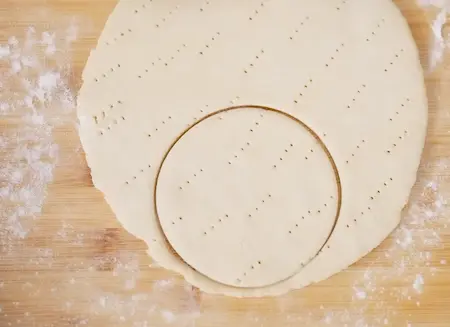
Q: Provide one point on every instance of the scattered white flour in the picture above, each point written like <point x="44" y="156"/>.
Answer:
<point x="418" y="283"/>
<point x="166" y="301"/>
<point x="441" y="37"/>
<point x="34" y="96"/>
<point x="168" y="316"/>
<point x="360" y="294"/>
<point x="126" y="267"/>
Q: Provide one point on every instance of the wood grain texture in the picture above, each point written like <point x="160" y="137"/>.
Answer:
<point x="78" y="267"/>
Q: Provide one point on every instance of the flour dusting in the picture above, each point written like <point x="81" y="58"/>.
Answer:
<point x="441" y="36"/>
<point x="34" y="95"/>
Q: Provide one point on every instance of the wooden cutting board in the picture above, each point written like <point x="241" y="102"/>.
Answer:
<point x="76" y="266"/>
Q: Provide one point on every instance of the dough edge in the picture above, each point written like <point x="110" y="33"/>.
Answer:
<point x="163" y="256"/>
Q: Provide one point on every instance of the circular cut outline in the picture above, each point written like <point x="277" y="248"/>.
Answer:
<point x="309" y="129"/>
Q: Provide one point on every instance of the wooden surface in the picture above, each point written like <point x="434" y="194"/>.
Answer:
<point x="78" y="267"/>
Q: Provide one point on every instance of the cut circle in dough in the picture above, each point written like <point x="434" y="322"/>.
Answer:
<point x="247" y="196"/>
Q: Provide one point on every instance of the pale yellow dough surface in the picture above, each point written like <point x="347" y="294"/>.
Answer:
<point x="340" y="80"/>
<point x="245" y="195"/>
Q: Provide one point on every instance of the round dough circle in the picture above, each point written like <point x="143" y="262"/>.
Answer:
<point x="247" y="196"/>
<point x="348" y="69"/>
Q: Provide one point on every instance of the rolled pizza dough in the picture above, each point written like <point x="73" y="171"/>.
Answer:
<point x="255" y="146"/>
